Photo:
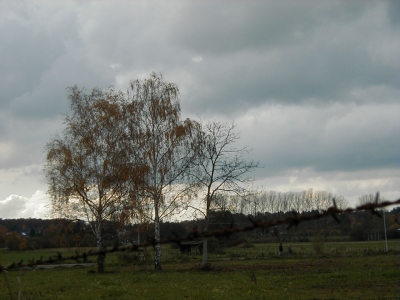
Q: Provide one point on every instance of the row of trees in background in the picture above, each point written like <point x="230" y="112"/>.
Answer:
<point x="276" y="202"/>
<point x="128" y="157"/>
<point x="272" y="205"/>
<point x="32" y="234"/>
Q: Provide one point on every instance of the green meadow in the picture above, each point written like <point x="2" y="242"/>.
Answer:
<point x="350" y="270"/>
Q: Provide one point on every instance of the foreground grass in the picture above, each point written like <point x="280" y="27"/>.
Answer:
<point x="270" y="277"/>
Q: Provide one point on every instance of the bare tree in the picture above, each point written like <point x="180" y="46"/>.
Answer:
<point x="88" y="167"/>
<point x="271" y="198"/>
<point x="367" y="199"/>
<point x="164" y="149"/>
<point x="220" y="168"/>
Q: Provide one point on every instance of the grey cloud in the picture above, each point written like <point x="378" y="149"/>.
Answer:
<point x="23" y="180"/>
<point x="284" y="52"/>
<point x="333" y="138"/>
<point x="221" y="28"/>
<point x="134" y="36"/>
<point x="31" y="41"/>
<point x="240" y="81"/>
<point x="26" y="141"/>
<point x="393" y="9"/>
<point x="320" y="63"/>
<point x="49" y="98"/>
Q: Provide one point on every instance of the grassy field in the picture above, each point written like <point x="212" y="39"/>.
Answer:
<point x="340" y="271"/>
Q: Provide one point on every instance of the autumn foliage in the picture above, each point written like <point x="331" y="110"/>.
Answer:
<point x="120" y="156"/>
<point x="14" y="241"/>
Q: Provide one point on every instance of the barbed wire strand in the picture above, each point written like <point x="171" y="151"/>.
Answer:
<point x="294" y="220"/>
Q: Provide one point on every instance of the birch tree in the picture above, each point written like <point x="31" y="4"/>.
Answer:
<point x="87" y="168"/>
<point x="164" y="149"/>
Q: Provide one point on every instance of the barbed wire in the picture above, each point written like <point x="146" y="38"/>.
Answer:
<point x="294" y="220"/>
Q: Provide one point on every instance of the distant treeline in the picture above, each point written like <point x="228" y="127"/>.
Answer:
<point x="21" y="234"/>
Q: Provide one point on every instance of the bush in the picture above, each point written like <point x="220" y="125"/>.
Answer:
<point x="15" y="242"/>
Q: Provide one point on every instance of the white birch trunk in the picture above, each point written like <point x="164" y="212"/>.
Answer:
<point x="101" y="257"/>
<point x="157" y="248"/>
<point x="205" y="247"/>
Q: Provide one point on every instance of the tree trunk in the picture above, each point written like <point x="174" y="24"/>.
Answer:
<point x="204" y="263"/>
<point x="205" y="248"/>
<point x="138" y="234"/>
<point x="102" y="256"/>
<point x="157" y="247"/>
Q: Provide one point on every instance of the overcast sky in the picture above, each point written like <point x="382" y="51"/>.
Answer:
<point x="313" y="86"/>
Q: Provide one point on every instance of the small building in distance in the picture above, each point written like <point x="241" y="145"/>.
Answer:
<point x="192" y="246"/>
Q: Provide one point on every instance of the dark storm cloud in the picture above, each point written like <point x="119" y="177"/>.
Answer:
<point x="31" y="41"/>
<point x="336" y="138"/>
<point x="393" y="12"/>
<point x="252" y="52"/>
<point x="288" y="52"/>
<point x="43" y="53"/>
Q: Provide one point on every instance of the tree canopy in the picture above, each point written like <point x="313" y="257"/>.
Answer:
<point x="121" y="155"/>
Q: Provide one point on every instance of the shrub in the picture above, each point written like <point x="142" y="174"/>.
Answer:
<point x="15" y="242"/>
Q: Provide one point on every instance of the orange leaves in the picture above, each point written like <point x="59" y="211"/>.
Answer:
<point x="180" y="131"/>
<point x="119" y="144"/>
<point x="15" y="242"/>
